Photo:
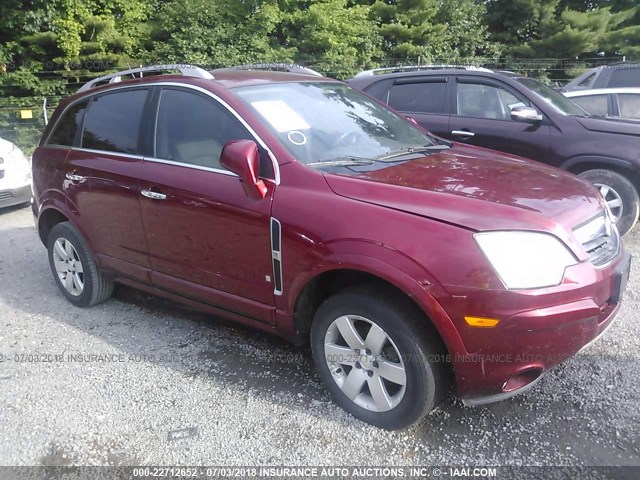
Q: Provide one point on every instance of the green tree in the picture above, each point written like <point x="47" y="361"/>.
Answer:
<point x="467" y="34"/>
<point x="215" y="33"/>
<point x="333" y="36"/>
<point x="409" y="29"/>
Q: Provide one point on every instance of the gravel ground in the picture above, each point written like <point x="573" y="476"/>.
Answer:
<point x="181" y="387"/>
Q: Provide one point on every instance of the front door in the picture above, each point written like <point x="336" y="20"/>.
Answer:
<point x="483" y="118"/>
<point x="207" y="240"/>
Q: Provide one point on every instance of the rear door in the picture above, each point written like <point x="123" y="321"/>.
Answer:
<point x="426" y="99"/>
<point x="483" y="118"/>
<point x="101" y="178"/>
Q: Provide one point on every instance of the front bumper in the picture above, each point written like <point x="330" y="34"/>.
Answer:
<point x="507" y="360"/>
<point x="14" y="196"/>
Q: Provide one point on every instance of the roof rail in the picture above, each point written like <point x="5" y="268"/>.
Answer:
<point x="186" y="70"/>
<point x="413" y="68"/>
<point x="278" y="67"/>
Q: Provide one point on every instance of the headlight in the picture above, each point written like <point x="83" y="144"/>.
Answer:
<point x="526" y="259"/>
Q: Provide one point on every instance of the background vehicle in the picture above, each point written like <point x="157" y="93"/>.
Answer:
<point x="299" y="206"/>
<point x="518" y="115"/>
<point x="623" y="103"/>
<point x="15" y="175"/>
<point x="607" y="76"/>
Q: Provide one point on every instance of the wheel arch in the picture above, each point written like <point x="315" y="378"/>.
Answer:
<point x="623" y="167"/>
<point x="49" y="218"/>
<point x="325" y="283"/>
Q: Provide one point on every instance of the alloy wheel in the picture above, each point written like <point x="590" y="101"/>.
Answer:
<point x="612" y="199"/>
<point x="365" y="363"/>
<point x="68" y="266"/>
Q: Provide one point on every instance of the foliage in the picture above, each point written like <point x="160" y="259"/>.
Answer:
<point x="49" y="47"/>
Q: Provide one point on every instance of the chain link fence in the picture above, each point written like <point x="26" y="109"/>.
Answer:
<point x="23" y="118"/>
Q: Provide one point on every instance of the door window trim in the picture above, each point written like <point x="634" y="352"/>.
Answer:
<point x="259" y="140"/>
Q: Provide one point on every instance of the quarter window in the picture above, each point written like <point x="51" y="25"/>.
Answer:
<point x="67" y="128"/>
<point x="113" y="122"/>
<point x="193" y="129"/>
<point x="594" y="104"/>
<point x="487" y="101"/>
<point x="422" y="97"/>
<point x="629" y="105"/>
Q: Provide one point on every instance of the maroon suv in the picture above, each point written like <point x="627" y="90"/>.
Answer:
<point x="297" y="205"/>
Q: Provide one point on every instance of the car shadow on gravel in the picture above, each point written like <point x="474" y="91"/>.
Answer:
<point x="570" y="414"/>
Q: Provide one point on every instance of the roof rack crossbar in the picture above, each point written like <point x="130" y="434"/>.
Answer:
<point x="186" y="70"/>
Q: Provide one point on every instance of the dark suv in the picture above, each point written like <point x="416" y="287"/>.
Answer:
<point x="296" y="205"/>
<point x="519" y="115"/>
<point x="607" y="76"/>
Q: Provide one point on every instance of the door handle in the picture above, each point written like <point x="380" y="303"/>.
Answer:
<point x="462" y="133"/>
<point x="74" y="178"/>
<point x="154" y="195"/>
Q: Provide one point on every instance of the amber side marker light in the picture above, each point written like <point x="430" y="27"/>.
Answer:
<point x="481" y="322"/>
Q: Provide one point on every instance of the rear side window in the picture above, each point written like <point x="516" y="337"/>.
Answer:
<point x="629" y="105"/>
<point x="66" y="130"/>
<point x="423" y="97"/>
<point x="113" y="120"/>
<point x="625" y="77"/>
<point x="594" y="104"/>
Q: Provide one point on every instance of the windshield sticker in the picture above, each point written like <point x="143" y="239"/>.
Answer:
<point x="297" y="138"/>
<point x="280" y="115"/>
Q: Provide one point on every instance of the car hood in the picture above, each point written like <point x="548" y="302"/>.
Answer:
<point x="610" y="125"/>
<point x="478" y="189"/>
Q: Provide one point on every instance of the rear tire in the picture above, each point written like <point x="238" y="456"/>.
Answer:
<point x="620" y="195"/>
<point x="74" y="269"/>
<point x="397" y="372"/>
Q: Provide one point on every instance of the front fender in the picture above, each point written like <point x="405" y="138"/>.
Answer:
<point x="387" y="264"/>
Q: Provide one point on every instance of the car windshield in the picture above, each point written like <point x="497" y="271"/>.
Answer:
<point x="558" y="101"/>
<point x="331" y="123"/>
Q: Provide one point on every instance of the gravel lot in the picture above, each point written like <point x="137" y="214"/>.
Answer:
<point x="181" y="387"/>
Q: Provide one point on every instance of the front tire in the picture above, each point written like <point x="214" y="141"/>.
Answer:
<point x="74" y="269"/>
<point x="619" y="193"/>
<point x="379" y="357"/>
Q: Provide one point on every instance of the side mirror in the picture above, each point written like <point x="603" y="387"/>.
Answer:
<point x="525" y="114"/>
<point x="242" y="158"/>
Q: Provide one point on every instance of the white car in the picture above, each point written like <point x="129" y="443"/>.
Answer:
<point x="621" y="103"/>
<point x="15" y="175"/>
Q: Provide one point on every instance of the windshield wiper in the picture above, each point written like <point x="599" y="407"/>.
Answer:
<point x="415" y="150"/>
<point x="344" y="161"/>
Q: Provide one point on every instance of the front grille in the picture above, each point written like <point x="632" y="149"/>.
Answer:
<point x="5" y="195"/>
<point x="600" y="239"/>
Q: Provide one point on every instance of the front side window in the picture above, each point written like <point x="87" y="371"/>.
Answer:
<point x="594" y="104"/>
<point x="629" y="105"/>
<point x="193" y="129"/>
<point x="421" y="97"/>
<point x="487" y="101"/>
<point x="327" y="121"/>
<point x="113" y="120"/>
<point x="67" y="128"/>
<point x="625" y="77"/>
<point x="554" y="99"/>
